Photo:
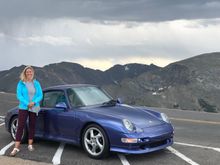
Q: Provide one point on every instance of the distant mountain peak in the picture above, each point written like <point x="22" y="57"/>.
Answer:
<point x="193" y="83"/>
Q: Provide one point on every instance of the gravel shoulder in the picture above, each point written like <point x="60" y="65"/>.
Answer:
<point x="19" y="161"/>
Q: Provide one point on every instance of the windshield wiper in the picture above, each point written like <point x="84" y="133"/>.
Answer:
<point x="109" y="103"/>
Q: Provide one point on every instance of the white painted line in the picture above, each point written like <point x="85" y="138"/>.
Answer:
<point x="3" y="150"/>
<point x="123" y="159"/>
<point x="177" y="153"/>
<point x="2" y="117"/>
<point x="58" y="154"/>
<point x="199" y="146"/>
<point x="216" y="149"/>
<point x="2" y="124"/>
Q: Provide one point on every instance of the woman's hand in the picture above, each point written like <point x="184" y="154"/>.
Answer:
<point x="31" y="104"/>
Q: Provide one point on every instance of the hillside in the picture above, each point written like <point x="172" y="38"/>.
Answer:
<point x="192" y="83"/>
<point x="71" y="73"/>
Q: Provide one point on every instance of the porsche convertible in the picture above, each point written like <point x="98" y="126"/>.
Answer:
<point x="87" y="116"/>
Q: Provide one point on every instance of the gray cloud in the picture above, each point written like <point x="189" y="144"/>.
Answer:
<point x="114" y="10"/>
<point x="39" y="32"/>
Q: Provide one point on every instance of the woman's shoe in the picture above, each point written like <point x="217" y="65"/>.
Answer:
<point x="14" y="152"/>
<point x="30" y="148"/>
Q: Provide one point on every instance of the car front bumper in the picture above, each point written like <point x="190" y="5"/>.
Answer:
<point x="144" y="148"/>
<point x="151" y="139"/>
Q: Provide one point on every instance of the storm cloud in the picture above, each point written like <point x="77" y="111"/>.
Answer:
<point x="99" y="34"/>
<point x="114" y="10"/>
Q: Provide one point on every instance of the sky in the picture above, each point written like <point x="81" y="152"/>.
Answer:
<point x="101" y="33"/>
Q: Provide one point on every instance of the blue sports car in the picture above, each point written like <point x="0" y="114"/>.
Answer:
<point x="86" y="115"/>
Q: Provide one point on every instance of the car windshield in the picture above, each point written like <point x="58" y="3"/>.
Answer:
<point x="87" y="96"/>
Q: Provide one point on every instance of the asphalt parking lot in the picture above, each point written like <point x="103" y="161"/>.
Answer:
<point x="196" y="142"/>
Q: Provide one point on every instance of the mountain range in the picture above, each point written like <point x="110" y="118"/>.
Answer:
<point x="192" y="84"/>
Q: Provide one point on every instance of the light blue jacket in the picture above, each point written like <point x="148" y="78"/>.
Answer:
<point x="22" y="94"/>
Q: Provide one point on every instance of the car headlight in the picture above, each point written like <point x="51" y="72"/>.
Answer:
<point x="165" y="117"/>
<point x="128" y="125"/>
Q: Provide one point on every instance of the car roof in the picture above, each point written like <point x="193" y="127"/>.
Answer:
<point x="67" y="86"/>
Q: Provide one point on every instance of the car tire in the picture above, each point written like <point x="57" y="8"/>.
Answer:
<point x="13" y="130"/>
<point x="95" y="142"/>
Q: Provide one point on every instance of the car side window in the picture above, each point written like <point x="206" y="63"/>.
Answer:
<point x="51" y="98"/>
<point x="74" y="98"/>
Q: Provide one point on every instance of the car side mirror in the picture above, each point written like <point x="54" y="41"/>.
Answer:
<point x="61" y="105"/>
<point x="119" y="101"/>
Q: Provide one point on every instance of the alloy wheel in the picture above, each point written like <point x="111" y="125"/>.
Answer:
<point x="94" y="141"/>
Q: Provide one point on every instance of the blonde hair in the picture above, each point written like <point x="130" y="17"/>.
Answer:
<point x="23" y="73"/>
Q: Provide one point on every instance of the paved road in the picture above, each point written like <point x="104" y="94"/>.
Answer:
<point x="197" y="141"/>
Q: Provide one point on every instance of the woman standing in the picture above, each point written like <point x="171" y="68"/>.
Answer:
<point x="29" y="94"/>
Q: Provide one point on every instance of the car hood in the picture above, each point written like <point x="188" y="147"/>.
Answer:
<point x="137" y="116"/>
